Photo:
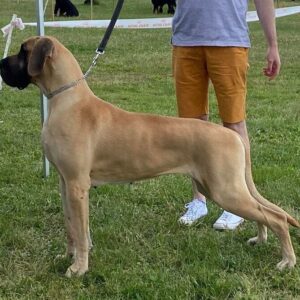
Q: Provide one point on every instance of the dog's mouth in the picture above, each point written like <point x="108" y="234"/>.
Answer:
<point x="14" y="72"/>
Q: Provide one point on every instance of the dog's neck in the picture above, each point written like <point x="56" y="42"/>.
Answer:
<point x="64" y="87"/>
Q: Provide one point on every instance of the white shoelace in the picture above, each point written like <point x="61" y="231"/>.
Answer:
<point x="192" y="207"/>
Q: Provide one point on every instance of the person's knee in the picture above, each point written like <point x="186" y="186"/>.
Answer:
<point x="203" y="117"/>
<point x="240" y="128"/>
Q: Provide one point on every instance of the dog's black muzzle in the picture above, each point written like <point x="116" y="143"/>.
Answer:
<point x="13" y="70"/>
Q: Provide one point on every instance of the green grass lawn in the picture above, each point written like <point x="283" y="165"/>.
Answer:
<point x="140" y="251"/>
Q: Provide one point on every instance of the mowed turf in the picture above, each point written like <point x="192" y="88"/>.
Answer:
<point x="140" y="250"/>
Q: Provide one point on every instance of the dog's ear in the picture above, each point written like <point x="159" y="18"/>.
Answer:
<point x="42" y="49"/>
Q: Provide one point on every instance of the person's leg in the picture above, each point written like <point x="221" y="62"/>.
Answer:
<point x="227" y="68"/>
<point x="191" y="84"/>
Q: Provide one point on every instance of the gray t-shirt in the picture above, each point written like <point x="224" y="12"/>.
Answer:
<point x="211" y="23"/>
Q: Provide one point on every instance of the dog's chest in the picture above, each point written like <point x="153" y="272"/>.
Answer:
<point x="51" y="143"/>
<point x="46" y="142"/>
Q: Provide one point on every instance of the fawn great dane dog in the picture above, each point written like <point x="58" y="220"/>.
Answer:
<point x="91" y="142"/>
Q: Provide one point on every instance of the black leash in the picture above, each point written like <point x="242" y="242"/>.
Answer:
<point x="99" y="51"/>
<point x="111" y="26"/>
<point x="109" y="29"/>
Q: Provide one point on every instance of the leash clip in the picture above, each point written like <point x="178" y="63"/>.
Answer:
<point x="99" y="52"/>
<point x="94" y="62"/>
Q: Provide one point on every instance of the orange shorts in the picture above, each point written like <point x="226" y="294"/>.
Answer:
<point x="226" y="67"/>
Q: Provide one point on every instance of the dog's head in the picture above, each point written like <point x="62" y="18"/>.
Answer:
<point x="21" y="69"/>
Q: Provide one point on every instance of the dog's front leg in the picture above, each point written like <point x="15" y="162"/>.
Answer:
<point x="78" y="211"/>
<point x="70" y="251"/>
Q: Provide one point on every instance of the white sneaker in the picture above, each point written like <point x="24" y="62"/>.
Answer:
<point x="195" y="210"/>
<point x="228" y="221"/>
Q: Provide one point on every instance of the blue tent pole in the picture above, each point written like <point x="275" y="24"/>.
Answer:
<point x="44" y="105"/>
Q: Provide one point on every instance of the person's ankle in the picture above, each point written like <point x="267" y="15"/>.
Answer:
<point x="200" y="198"/>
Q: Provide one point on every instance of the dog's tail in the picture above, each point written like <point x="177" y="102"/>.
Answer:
<point x="254" y="192"/>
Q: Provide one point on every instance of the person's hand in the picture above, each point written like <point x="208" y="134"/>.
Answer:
<point x="273" y="63"/>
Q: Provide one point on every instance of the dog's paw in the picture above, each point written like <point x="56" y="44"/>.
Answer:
<point x="255" y="241"/>
<point x="75" y="270"/>
<point x="286" y="264"/>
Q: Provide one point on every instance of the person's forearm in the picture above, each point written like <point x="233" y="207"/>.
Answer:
<point x="266" y="13"/>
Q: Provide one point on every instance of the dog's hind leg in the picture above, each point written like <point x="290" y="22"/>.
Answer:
<point x="155" y="9"/>
<point x="261" y="237"/>
<point x="280" y="226"/>
<point x="171" y="9"/>
<point x="277" y="222"/>
<point x="243" y="204"/>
